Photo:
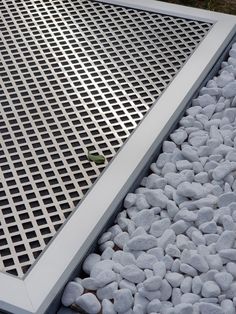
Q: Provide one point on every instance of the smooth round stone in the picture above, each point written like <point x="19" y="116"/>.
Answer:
<point x="228" y="306"/>
<point x="130" y="200"/>
<point x="89" y="283"/>
<point x="224" y="280"/>
<point x="156" y="198"/>
<point x="159" y="269"/>
<point x="150" y="295"/>
<point x="144" y="219"/>
<point x="186" y="285"/>
<point x="168" y="237"/>
<point x="165" y="290"/>
<point x="184" y="308"/>
<point x="100" y="266"/>
<point x="153" y="283"/>
<point x="133" y="274"/>
<point x="229" y="254"/>
<point x="107" y="307"/>
<point x="190" y="298"/>
<point x="179" y="136"/>
<point x="121" y="239"/>
<point x="105" y="277"/>
<point x="221" y="171"/>
<point x="199" y="263"/>
<point x="125" y="284"/>
<point x="231" y="268"/>
<point x="209" y="308"/>
<point x="107" y="292"/>
<point x="210" y="289"/>
<point x="123" y="300"/>
<point x="155" y="182"/>
<point x="123" y="258"/>
<point x="71" y="292"/>
<point x="89" y="303"/>
<point x="225" y="240"/>
<point x="159" y="226"/>
<point x="227" y="198"/>
<point x="90" y="261"/>
<point x="174" y="279"/>
<point x="176" y="296"/>
<point x="172" y="250"/>
<point x="142" y="242"/>
<point x="208" y="227"/>
<point x="154" y="306"/>
<point x="146" y="260"/>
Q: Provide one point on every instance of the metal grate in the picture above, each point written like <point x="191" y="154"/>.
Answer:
<point x="74" y="76"/>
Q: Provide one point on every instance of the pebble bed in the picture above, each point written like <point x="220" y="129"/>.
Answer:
<point x="172" y="249"/>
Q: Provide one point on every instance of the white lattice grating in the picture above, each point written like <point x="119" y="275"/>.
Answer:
<point x="75" y="76"/>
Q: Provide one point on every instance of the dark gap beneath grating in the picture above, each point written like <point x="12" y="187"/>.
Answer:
<point x="75" y="76"/>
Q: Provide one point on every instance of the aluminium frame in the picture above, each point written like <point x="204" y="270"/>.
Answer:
<point x="35" y="292"/>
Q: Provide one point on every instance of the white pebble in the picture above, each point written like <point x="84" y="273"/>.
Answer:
<point x="191" y="190"/>
<point x="159" y="269"/>
<point x="121" y="239"/>
<point x="132" y="273"/>
<point x="146" y="260"/>
<point x="229" y="254"/>
<point x="225" y="241"/>
<point x="186" y="285"/>
<point x="152" y="283"/>
<point x="155" y="182"/>
<point x="89" y="303"/>
<point x="107" y="292"/>
<point x="168" y="237"/>
<point x="142" y="242"/>
<point x="229" y="90"/>
<point x="123" y="300"/>
<point x="105" y="277"/>
<point x="90" y="261"/>
<point x="130" y="200"/>
<point x="190" y="298"/>
<point x="156" y="198"/>
<point x="198" y="262"/>
<point x="184" y="308"/>
<point x="231" y="268"/>
<point x="159" y="226"/>
<point x="90" y="283"/>
<point x="107" y="307"/>
<point x="208" y="227"/>
<point x="196" y="285"/>
<point x="165" y="290"/>
<point x="210" y="289"/>
<point x="174" y="279"/>
<point x="179" y="136"/>
<point x="228" y="306"/>
<point x="209" y="308"/>
<point x="172" y="250"/>
<point x="125" y="284"/>
<point x="72" y="291"/>
<point x="226" y="199"/>
<point x="100" y="266"/>
<point x="224" y="280"/>
<point x="188" y="270"/>
<point x="180" y="226"/>
<point x="154" y="306"/>
<point x="221" y="171"/>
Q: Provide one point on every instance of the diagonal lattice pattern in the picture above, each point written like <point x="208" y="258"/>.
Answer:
<point x="74" y="76"/>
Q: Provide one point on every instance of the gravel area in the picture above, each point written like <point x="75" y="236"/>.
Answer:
<point x="172" y="248"/>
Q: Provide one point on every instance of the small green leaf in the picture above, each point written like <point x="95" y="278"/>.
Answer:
<point x="98" y="159"/>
